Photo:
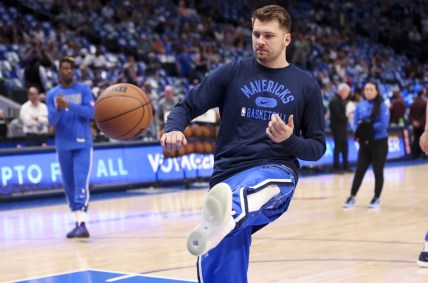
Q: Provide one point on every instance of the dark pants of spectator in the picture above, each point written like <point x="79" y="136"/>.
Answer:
<point x="375" y="155"/>
<point x="416" y="149"/>
<point x="340" y="136"/>
<point x="36" y="140"/>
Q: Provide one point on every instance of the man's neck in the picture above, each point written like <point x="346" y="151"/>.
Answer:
<point x="275" y="65"/>
<point x="66" y="85"/>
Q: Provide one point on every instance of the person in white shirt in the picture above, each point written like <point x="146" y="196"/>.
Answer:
<point x="34" y="116"/>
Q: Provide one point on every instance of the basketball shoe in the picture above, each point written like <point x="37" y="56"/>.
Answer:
<point x="375" y="203"/>
<point x="350" y="202"/>
<point x="423" y="259"/>
<point x="79" y="231"/>
<point x="216" y="221"/>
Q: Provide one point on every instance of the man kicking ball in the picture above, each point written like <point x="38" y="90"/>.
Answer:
<point x="271" y="114"/>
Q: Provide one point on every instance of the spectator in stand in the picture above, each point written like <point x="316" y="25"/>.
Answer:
<point x="38" y="33"/>
<point x="33" y="71"/>
<point x="397" y="109"/>
<point x="414" y="35"/>
<point x="417" y="117"/>
<point x="151" y="92"/>
<point x="95" y="61"/>
<point x="166" y="104"/>
<point x="3" y="125"/>
<point x="339" y="127"/>
<point x="301" y="52"/>
<point x="34" y="116"/>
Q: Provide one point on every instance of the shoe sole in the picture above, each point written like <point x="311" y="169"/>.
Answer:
<point x="79" y="236"/>
<point x="216" y="221"/>
<point x="374" y="206"/>
<point x="83" y="236"/>
<point x="422" y="263"/>
<point x="348" y="205"/>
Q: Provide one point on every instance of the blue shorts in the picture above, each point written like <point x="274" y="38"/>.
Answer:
<point x="256" y="179"/>
<point x="228" y="261"/>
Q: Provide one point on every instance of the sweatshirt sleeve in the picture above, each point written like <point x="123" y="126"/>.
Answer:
<point x="199" y="99"/>
<point x="383" y="121"/>
<point x="311" y="144"/>
<point x="86" y="109"/>
<point x="44" y="117"/>
<point x="54" y="115"/>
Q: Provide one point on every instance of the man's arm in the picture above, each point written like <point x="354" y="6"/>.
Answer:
<point x="54" y="115"/>
<point x="86" y="109"/>
<point x="26" y="117"/>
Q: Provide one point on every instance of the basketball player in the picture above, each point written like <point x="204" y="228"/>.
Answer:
<point x="70" y="108"/>
<point x="271" y="114"/>
<point x="423" y="142"/>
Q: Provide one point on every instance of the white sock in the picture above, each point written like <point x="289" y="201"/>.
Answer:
<point x="426" y="247"/>
<point x="80" y="216"/>
<point x="257" y="200"/>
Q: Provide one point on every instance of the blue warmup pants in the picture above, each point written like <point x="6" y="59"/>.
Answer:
<point x="228" y="262"/>
<point x="75" y="170"/>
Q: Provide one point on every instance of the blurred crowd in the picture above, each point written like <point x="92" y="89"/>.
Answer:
<point x="169" y="46"/>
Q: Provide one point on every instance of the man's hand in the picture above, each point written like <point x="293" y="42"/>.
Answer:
<point x="173" y="140"/>
<point x="423" y="142"/>
<point x="61" y="103"/>
<point x="277" y="130"/>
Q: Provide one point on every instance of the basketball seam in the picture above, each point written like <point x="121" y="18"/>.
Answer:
<point x="144" y="113"/>
<point x="117" y="137"/>
<point x="124" y="113"/>
<point x="140" y="106"/>
<point x="122" y="95"/>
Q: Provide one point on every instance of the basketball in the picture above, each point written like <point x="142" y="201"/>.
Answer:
<point x="123" y="111"/>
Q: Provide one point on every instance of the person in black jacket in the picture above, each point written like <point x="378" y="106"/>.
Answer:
<point x="339" y="126"/>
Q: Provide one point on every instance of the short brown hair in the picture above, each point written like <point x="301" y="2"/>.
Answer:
<point x="272" y="12"/>
<point x="67" y="59"/>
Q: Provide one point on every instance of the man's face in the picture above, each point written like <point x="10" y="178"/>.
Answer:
<point x="33" y="95"/>
<point x="66" y="72"/>
<point x="269" y="40"/>
<point x="344" y="93"/>
<point x="169" y="93"/>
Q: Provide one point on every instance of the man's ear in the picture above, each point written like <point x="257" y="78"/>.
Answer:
<point x="287" y="39"/>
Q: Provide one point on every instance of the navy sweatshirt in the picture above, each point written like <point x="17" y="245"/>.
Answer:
<point x="247" y="94"/>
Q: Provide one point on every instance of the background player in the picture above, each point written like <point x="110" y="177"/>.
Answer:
<point x="71" y="107"/>
<point x="423" y="142"/>
<point x="256" y="167"/>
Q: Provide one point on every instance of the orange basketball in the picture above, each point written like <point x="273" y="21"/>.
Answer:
<point x="199" y="147"/>
<point x="123" y="111"/>
<point x="190" y="148"/>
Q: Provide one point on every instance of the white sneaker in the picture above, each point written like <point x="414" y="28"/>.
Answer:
<point x="423" y="259"/>
<point x="216" y="221"/>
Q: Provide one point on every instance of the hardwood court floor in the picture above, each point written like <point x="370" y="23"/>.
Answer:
<point x="315" y="241"/>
